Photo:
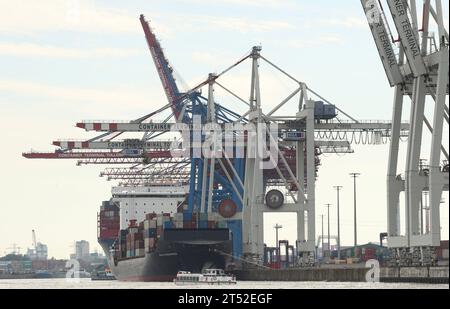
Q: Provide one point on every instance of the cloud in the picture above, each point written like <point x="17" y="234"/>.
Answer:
<point x="347" y="22"/>
<point x="35" y="50"/>
<point x="244" y="24"/>
<point x="28" y="17"/>
<point x="263" y="3"/>
<point x="253" y="3"/>
<point x="316" y="42"/>
<point x="204" y="57"/>
<point x="108" y="97"/>
<point x="217" y="60"/>
<point x="202" y="23"/>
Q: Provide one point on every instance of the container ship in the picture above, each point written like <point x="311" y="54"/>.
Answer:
<point x="147" y="235"/>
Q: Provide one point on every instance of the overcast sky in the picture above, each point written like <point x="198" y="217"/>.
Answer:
<point x="65" y="61"/>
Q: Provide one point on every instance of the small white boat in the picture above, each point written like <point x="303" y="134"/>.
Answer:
<point x="209" y="276"/>
<point x="102" y="275"/>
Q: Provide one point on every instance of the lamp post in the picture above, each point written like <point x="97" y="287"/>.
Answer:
<point x="328" y="216"/>
<point x="277" y="227"/>
<point x="322" y="238"/>
<point x="421" y="213"/>
<point x="427" y="213"/>
<point x="338" y="188"/>
<point x="354" y="175"/>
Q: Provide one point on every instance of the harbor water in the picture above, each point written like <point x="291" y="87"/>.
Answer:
<point x="89" y="284"/>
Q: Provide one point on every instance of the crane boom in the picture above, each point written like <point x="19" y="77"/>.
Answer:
<point x="167" y="126"/>
<point x="382" y="38"/>
<point x="95" y="155"/>
<point x="163" y="67"/>
<point x="117" y="144"/>
<point x="408" y="38"/>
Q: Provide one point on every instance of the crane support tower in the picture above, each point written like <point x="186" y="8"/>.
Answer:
<point x="416" y="64"/>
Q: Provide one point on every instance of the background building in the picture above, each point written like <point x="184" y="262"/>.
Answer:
<point x="82" y="250"/>
<point x="39" y="253"/>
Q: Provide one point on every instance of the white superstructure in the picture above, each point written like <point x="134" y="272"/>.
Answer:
<point x="136" y="202"/>
<point x="209" y="276"/>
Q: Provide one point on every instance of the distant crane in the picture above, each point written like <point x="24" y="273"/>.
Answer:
<point x="33" y="233"/>
<point x="15" y="249"/>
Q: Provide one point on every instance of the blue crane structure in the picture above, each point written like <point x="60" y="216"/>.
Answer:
<point x="184" y="107"/>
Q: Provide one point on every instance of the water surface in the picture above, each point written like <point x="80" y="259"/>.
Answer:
<point x="89" y="284"/>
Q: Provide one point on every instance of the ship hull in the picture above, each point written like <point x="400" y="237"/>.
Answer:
<point x="151" y="267"/>
<point x="185" y="251"/>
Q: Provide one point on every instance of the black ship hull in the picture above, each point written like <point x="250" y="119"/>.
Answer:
<point x="178" y="250"/>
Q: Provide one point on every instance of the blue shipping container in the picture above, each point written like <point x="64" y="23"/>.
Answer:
<point x="150" y="233"/>
<point x="168" y="225"/>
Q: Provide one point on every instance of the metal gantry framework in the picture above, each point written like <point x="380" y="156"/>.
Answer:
<point x="416" y="64"/>
<point x="287" y="186"/>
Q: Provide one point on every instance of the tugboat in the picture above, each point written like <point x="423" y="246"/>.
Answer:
<point x="209" y="276"/>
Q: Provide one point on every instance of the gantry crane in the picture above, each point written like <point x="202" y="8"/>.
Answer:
<point x="416" y="63"/>
<point x="225" y="178"/>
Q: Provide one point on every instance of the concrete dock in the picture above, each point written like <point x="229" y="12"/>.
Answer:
<point x="350" y="274"/>
<point x="438" y="274"/>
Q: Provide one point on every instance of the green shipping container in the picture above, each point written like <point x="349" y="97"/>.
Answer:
<point x="221" y="224"/>
<point x="27" y="265"/>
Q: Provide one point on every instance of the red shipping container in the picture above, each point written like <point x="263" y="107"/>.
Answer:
<point x="139" y="244"/>
<point x="108" y="234"/>
<point x="274" y="265"/>
<point x="159" y="230"/>
<point x="150" y="216"/>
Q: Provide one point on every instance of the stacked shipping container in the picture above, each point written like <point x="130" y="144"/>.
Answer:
<point x="136" y="240"/>
<point x="108" y="221"/>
